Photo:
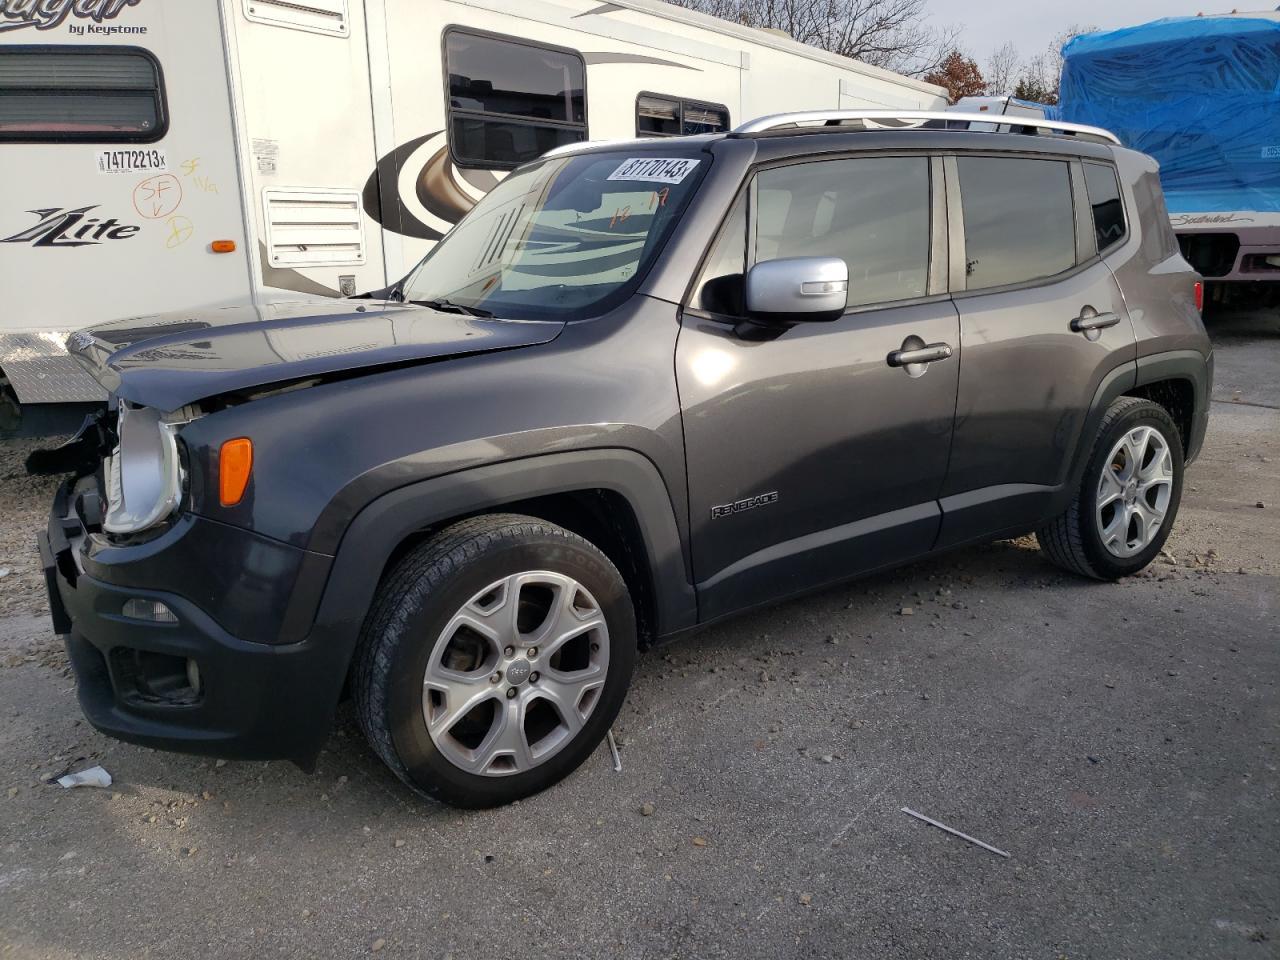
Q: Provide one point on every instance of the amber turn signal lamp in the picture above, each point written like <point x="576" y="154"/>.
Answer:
<point x="223" y="246"/>
<point x="235" y="463"/>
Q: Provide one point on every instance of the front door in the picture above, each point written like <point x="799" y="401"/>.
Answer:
<point x="810" y="457"/>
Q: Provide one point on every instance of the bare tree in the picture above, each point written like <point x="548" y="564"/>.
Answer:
<point x="893" y="34"/>
<point x="1041" y="75"/>
<point x="1003" y="67"/>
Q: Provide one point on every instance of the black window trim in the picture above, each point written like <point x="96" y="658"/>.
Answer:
<point x="681" y="103"/>
<point x="450" y="112"/>
<point x="161" y="101"/>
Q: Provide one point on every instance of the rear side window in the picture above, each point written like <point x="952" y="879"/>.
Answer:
<point x="1019" y="223"/>
<point x="69" y="93"/>
<point x="659" y="116"/>
<point x="511" y="101"/>
<point x="872" y="212"/>
<point x="1104" y="197"/>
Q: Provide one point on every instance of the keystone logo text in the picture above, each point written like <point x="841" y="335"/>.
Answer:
<point x="71" y="228"/>
<point x="48" y="14"/>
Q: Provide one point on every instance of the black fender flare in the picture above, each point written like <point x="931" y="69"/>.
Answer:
<point x="1171" y="365"/>
<point x="1190" y="365"/>
<point x="383" y="524"/>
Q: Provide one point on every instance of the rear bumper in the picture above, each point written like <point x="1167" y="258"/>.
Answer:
<point x="249" y="700"/>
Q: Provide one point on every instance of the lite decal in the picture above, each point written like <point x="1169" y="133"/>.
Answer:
<point x="71" y="228"/>
<point x="48" y="14"/>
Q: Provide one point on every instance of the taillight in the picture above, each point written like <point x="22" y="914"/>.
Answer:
<point x="1200" y="295"/>
<point x="235" y="463"/>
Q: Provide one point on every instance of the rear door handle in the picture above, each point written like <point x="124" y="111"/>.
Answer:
<point x="925" y="354"/>
<point x="1091" y="319"/>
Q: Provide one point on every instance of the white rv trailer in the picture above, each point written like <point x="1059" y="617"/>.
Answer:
<point x="158" y="155"/>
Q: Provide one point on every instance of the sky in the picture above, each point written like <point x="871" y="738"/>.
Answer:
<point x="1032" y="24"/>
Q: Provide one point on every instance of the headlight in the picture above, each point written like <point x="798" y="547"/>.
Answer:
<point x="143" y="473"/>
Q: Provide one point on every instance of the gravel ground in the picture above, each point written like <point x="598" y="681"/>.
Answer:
<point x="1121" y="742"/>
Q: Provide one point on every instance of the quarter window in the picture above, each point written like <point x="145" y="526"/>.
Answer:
<point x="872" y="212"/>
<point x="65" y="93"/>
<point x="511" y="101"/>
<point x="1104" y="197"/>
<point x="1019" y="222"/>
<point x="659" y="116"/>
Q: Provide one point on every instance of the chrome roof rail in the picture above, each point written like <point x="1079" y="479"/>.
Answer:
<point x="914" y="119"/>
<point x="579" y="146"/>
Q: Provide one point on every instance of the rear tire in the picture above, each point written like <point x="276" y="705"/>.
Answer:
<point x="1124" y="509"/>
<point x="494" y="659"/>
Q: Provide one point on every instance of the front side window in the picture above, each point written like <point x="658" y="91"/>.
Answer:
<point x="872" y="212"/>
<point x="510" y="101"/>
<point x="89" y="94"/>
<point x="659" y="116"/>
<point x="1019" y="221"/>
<point x="562" y="239"/>
<point x="1104" y="198"/>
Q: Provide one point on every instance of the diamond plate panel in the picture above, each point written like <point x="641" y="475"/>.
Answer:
<point x="41" y="371"/>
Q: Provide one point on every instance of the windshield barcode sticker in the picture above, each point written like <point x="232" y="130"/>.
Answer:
<point x="654" y="169"/>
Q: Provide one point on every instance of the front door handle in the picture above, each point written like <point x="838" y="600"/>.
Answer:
<point x="1091" y="322"/>
<point x="927" y="353"/>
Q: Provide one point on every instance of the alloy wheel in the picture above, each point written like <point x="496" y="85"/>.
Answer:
<point x="516" y="673"/>
<point x="1134" y="491"/>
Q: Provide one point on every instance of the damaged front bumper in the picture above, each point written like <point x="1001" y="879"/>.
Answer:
<point x="186" y="680"/>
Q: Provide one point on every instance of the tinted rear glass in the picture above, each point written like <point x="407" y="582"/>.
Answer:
<point x="1104" y="198"/>
<point x="1019" y="223"/>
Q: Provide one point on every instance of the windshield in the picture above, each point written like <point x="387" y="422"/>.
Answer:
<point x="564" y="239"/>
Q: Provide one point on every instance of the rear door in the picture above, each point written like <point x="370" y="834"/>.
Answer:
<point x="1042" y="322"/>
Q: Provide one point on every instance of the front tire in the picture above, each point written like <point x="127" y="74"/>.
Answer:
<point x="494" y="659"/>
<point x="1124" y="509"/>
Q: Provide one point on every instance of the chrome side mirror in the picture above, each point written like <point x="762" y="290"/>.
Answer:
<point x="797" y="289"/>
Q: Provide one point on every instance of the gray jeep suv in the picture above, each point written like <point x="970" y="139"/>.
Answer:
<point x="640" y="387"/>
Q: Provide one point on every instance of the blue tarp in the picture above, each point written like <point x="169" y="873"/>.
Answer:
<point x="1200" y="94"/>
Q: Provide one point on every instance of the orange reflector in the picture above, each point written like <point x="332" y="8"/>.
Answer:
<point x="223" y="246"/>
<point x="235" y="463"/>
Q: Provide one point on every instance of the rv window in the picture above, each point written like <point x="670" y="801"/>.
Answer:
<point x="511" y="101"/>
<point x="658" y="116"/>
<point x="65" y="93"/>
<point x="1104" y="197"/>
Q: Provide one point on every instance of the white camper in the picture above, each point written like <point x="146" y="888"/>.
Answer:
<point x="158" y="155"/>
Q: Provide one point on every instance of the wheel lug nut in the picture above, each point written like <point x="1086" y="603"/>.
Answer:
<point x="533" y="677"/>
<point x="595" y="648"/>
<point x="533" y="652"/>
<point x="509" y="652"/>
<point x="496" y="678"/>
<point x="511" y="693"/>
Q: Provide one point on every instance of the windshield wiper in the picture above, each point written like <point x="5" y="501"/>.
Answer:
<point x="448" y="306"/>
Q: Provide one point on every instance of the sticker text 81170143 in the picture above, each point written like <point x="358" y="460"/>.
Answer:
<point x="131" y="161"/>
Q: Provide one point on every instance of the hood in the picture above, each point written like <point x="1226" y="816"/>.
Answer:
<point x="170" y="360"/>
